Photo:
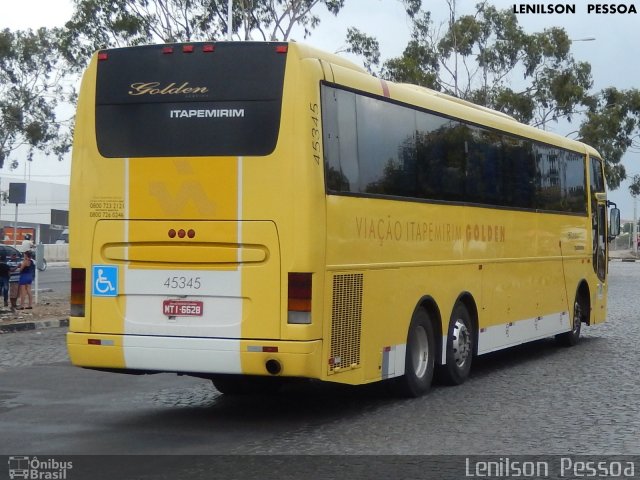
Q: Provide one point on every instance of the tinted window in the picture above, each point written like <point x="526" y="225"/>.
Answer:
<point x="373" y="146"/>
<point x="548" y="192"/>
<point x="597" y="178"/>
<point x="386" y="144"/>
<point x="573" y="182"/>
<point x="221" y="102"/>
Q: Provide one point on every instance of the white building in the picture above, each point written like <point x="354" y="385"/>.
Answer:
<point x="41" y="199"/>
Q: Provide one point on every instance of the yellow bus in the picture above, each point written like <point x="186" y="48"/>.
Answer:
<point x="253" y="212"/>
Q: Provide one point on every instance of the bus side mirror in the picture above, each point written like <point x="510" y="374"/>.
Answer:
<point x="614" y="223"/>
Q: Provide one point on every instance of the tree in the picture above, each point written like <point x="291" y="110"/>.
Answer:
<point x="477" y="57"/>
<point x="482" y="57"/>
<point x="100" y="24"/>
<point x="31" y="87"/>
<point x="612" y="126"/>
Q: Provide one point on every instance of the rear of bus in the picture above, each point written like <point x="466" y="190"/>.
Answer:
<point x="192" y="248"/>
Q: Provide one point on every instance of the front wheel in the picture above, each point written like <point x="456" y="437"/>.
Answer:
<point x="43" y="265"/>
<point x="580" y="310"/>
<point x="460" y="341"/>
<point x="419" y="357"/>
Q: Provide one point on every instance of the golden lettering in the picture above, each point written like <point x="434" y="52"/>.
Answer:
<point x="155" y="88"/>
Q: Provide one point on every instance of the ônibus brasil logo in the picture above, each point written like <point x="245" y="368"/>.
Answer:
<point x="35" y="469"/>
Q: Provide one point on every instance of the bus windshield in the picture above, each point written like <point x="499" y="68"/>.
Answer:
<point x="189" y="100"/>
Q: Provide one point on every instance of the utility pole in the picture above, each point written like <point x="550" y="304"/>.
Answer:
<point x="635" y="226"/>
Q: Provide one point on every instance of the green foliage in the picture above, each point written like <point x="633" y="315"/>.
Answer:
<point x="477" y="57"/>
<point x="634" y="188"/>
<point x="362" y="44"/>
<point x="612" y="123"/>
<point x="31" y="87"/>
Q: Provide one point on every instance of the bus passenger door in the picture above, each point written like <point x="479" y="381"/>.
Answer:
<point x="600" y="254"/>
<point x="600" y="246"/>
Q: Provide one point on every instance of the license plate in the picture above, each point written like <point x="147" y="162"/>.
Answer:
<point x="182" y="308"/>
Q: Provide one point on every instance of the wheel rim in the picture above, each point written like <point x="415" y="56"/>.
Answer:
<point x="461" y="343"/>
<point x="420" y="352"/>
<point x="577" y="316"/>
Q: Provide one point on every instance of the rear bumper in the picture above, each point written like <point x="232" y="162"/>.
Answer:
<point x="194" y="355"/>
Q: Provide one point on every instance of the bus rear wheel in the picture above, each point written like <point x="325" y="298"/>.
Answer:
<point x="419" y="357"/>
<point x="460" y="341"/>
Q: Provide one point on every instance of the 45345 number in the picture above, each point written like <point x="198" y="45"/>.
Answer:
<point x="177" y="283"/>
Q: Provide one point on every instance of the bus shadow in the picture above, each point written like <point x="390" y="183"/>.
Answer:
<point x="294" y="407"/>
<point x="303" y="401"/>
<point x="520" y="355"/>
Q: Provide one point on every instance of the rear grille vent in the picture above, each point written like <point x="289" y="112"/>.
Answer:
<point x="346" y="322"/>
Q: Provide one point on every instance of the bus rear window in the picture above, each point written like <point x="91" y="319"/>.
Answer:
<point x="200" y="99"/>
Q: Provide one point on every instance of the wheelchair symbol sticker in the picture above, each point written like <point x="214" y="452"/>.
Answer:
<point x="105" y="281"/>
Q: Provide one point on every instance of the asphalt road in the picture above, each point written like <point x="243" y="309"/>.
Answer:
<point x="56" y="278"/>
<point x="534" y="399"/>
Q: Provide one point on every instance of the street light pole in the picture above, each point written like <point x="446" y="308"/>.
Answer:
<point x="635" y="226"/>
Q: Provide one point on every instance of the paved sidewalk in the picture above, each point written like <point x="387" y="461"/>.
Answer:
<point x="624" y="255"/>
<point x="13" y="326"/>
<point x="52" y="310"/>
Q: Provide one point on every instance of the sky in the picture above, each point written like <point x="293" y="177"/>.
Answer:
<point x="614" y="54"/>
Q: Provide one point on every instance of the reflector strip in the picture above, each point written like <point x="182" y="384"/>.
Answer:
<point x="97" y="341"/>
<point x="261" y="349"/>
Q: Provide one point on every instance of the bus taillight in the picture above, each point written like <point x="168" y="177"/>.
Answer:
<point x="299" y="302"/>
<point x="78" y="279"/>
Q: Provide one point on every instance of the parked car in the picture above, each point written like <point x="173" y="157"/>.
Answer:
<point x="64" y="237"/>
<point x="7" y="251"/>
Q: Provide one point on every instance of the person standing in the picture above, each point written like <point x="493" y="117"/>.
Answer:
<point x="27" y="270"/>
<point x="14" y="280"/>
<point x="5" y="273"/>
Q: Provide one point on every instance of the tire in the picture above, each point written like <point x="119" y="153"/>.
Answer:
<point x="460" y="343"/>
<point x="580" y="310"/>
<point x="419" y="358"/>
<point x="246" y="384"/>
<point x="43" y="267"/>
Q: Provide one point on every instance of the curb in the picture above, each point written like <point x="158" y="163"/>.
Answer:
<point x="28" y="326"/>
